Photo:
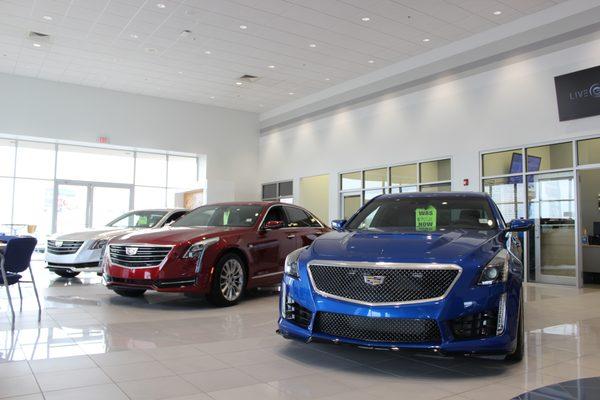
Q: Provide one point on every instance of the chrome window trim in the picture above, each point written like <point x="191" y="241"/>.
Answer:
<point x="140" y="245"/>
<point x="260" y="226"/>
<point x="386" y="266"/>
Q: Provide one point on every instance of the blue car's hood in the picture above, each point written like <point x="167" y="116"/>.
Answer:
<point x="440" y="247"/>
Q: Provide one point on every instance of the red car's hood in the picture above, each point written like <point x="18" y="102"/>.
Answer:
<point x="175" y="235"/>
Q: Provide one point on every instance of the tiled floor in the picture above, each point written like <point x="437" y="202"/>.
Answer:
<point x="92" y="344"/>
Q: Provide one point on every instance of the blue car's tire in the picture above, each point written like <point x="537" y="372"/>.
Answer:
<point x="519" y="352"/>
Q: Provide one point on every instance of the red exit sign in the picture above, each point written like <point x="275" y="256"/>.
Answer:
<point x="103" y="139"/>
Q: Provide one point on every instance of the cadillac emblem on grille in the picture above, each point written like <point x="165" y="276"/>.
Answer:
<point x="131" y="251"/>
<point x="374" y="280"/>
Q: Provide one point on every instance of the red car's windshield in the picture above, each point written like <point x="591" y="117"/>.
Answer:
<point x="225" y="215"/>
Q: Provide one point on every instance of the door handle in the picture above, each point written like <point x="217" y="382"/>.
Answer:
<point x="318" y="233"/>
<point x="291" y="236"/>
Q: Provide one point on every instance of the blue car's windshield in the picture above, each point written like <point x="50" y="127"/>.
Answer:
<point x="426" y="214"/>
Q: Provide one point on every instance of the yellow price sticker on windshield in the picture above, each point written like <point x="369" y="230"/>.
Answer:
<point x="426" y="219"/>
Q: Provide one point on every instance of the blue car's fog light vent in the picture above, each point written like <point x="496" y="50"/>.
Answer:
<point x="475" y="326"/>
<point x="377" y="285"/>
<point x="389" y="330"/>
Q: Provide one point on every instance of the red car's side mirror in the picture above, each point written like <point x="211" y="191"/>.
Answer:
<point x="270" y="225"/>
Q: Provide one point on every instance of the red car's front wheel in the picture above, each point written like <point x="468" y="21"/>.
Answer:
<point x="229" y="281"/>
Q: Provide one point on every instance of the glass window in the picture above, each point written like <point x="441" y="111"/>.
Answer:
<point x="351" y="203"/>
<point x="33" y="205"/>
<point x="269" y="191"/>
<point x="554" y="156"/>
<point x="407" y="215"/>
<point x="297" y="217"/>
<point x="109" y="202"/>
<point x="221" y="215"/>
<point x="151" y="169"/>
<point x="588" y="151"/>
<point x="35" y="160"/>
<point x="287" y="200"/>
<point x="172" y="194"/>
<point x="351" y="180"/>
<point x="404" y="174"/>
<point x="7" y="157"/>
<point x="286" y="189"/>
<point x="435" y="171"/>
<point x="376" y="178"/>
<point x="404" y="189"/>
<point x="6" y="194"/>
<point x="502" y="163"/>
<point x="94" y="164"/>
<point x="508" y="194"/>
<point x="440" y="187"/>
<point x="370" y="194"/>
<point x="138" y="219"/>
<point x="183" y="172"/>
<point x="275" y="214"/>
<point x="149" y="197"/>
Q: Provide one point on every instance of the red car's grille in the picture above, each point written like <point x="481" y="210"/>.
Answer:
<point x="138" y="256"/>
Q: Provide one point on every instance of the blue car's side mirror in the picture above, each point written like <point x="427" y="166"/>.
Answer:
<point x="520" y="225"/>
<point x="338" y="224"/>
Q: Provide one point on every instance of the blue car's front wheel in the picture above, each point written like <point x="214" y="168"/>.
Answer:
<point x="518" y="353"/>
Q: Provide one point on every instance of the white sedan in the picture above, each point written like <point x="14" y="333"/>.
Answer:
<point x="69" y="254"/>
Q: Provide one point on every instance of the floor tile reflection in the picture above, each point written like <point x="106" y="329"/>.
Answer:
<point x="93" y="344"/>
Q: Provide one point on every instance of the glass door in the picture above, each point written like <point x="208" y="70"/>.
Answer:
<point x="108" y="203"/>
<point x="551" y="204"/>
<point x="71" y="207"/>
<point x="81" y="205"/>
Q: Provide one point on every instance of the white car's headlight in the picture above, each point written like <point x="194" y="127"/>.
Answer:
<point x="291" y="263"/>
<point x="496" y="270"/>
<point x="98" y="244"/>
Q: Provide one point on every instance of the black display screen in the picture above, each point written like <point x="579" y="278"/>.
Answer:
<point x="578" y="94"/>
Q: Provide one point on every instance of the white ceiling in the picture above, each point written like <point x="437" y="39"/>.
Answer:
<point x="137" y="45"/>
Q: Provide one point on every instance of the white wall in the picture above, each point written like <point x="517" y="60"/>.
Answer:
<point x="229" y="138"/>
<point x="509" y="105"/>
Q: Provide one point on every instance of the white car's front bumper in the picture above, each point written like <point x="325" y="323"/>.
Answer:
<point x="84" y="259"/>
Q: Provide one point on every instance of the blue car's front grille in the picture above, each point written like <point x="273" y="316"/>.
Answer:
<point x="390" y="330"/>
<point x="380" y="285"/>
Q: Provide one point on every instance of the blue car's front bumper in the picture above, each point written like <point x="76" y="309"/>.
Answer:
<point x="464" y="300"/>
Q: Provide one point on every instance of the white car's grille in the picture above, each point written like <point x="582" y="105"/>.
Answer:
<point x="63" y="246"/>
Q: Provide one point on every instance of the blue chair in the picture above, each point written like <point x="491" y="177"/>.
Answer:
<point x="13" y="262"/>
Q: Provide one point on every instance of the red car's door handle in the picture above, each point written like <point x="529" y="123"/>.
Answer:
<point x="291" y="236"/>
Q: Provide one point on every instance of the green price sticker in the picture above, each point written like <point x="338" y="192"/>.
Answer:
<point x="143" y="220"/>
<point x="426" y="219"/>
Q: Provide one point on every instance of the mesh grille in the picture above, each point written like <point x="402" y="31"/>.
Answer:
<point x="145" y="256"/>
<point x="391" y="330"/>
<point x="382" y="285"/>
<point x="66" y="246"/>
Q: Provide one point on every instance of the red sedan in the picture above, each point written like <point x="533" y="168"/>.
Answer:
<point x="218" y="250"/>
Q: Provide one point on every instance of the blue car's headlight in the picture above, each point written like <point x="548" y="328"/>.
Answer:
<point x="496" y="270"/>
<point x="291" y="263"/>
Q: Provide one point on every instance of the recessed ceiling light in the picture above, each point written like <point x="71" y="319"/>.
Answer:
<point x="212" y="97"/>
<point x="207" y="52"/>
<point x="47" y="18"/>
<point x="497" y="12"/>
<point x="365" y="19"/>
<point x="328" y="79"/>
<point x="180" y="72"/>
<point x="427" y="40"/>
<point x="291" y="93"/>
<point x="243" y="27"/>
<point x="151" y="50"/>
<point x="37" y="45"/>
<point x="272" y="66"/>
<point x="161" y="5"/>
<point x="313" y="45"/>
<point x="371" y="61"/>
<point x="239" y="83"/>
<point x="134" y="36"/>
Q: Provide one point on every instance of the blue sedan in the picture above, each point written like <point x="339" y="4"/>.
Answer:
<point x="429" y="271"/>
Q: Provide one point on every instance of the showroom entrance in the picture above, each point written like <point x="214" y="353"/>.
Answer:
<point x="80" y="204"/>
<point x="552" y="185"/>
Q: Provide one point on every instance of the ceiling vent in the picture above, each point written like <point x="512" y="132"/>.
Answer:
<point x="38" y="37"/>
<point x="249" y="78"/>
